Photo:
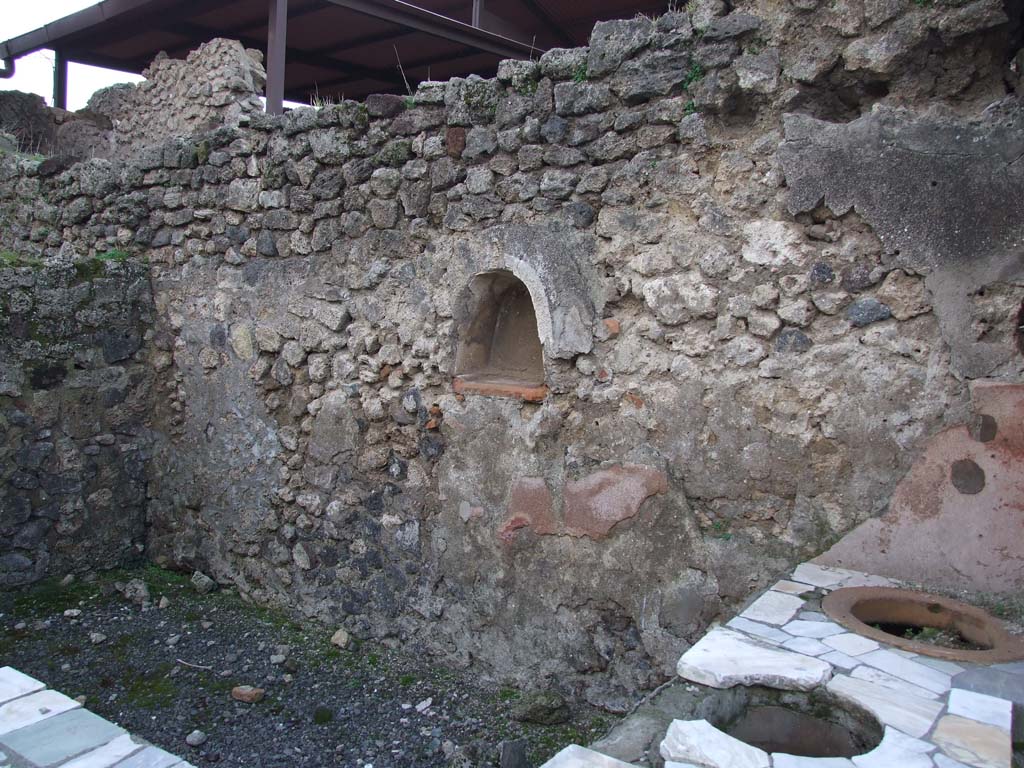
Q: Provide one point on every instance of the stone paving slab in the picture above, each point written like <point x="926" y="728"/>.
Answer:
<point x="57" y="739"/>
<point x="40" y="728"/>
<point x="33" y="708"/>
<point x="108" y="754"/>
<point x="14" y="684"/>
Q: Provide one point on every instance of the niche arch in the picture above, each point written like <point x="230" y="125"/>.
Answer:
<point x="499" y="351"/>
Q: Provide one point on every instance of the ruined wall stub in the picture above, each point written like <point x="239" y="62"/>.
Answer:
<point x="737" y="373"/>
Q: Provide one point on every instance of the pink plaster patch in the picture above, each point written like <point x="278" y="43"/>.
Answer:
<point x="529" y="506"/>
<point x="596" y="503"/>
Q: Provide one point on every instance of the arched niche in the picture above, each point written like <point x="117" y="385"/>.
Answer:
<point x="499" y="350"/>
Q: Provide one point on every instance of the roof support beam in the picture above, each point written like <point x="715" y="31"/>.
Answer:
<point x="428" y="22"/>
<point x="545" y="18"/>
<point x="277" y="38"/>
<point x="60" y="80"/>
<point x="192" y="32"/>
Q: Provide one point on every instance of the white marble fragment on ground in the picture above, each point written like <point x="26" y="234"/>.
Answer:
<point x="14" y="684"/>
<point x="981" y="707"/>
<point x="699" y="742"/>
<point x="773" y="608"/>
<point x="575" y="756"/>
<point x="32" y="709"/>
<point x="910" y="714"/>
<point x="724" y="658"/>
<point x="897" y="750"/>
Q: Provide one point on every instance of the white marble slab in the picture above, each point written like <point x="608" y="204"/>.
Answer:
<point x="806" y="645"/>
<point x="884" y="679"/>
<point x="897" y="750"/>
<point x="756" y="628"/>
<point x="911" y="671"/>
<point x="575" y="756"/>
<point x="724" y="658"/>
<point x="942" y="761"/>
<point x="910" y="714"/>
<point x="815" y="629"/>
<point x="981" y="707"/>
<point x="697" y="741"/>
<point x="782" y="760"/>
<point x="107" y="755"/>
<point x="33" y="708"/>
<point x="820" y="576"/>
<point x="840" y="660"/>
<point x="791" y="587"/>
<point x="851" y="644"/>
<point x="14" y="684"/>
<point x="974" y="743"/>
<point x="940" y="664"/>
<point x="773" y="608"/>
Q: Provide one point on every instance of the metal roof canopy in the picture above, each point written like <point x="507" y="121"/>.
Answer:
<point x="324" y="49"/>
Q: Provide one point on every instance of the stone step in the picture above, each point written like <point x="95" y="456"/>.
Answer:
<point x="41" y="727"/>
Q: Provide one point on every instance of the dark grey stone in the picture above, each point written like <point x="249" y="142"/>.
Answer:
<point x="792" y="340"/>
<point x="265" y="243"/>
<point x="867" y="311"/>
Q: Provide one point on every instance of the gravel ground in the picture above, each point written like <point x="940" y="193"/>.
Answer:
<point x="361" y="706"/>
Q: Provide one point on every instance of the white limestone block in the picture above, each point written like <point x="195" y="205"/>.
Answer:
<point x="698" y="741"/>
<point x="724" y="658"/>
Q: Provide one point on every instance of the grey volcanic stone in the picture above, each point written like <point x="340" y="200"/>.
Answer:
<point x="866" y="311"/>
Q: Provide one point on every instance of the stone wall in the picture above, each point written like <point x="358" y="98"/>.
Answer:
<point x="218" y="84"/>
<point x="74" y="401"/>
<point x="749" y="327"/>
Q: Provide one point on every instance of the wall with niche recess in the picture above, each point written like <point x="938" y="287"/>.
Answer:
<point x="750" y="325"/>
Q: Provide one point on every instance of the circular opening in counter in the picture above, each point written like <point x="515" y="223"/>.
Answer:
<point x="930" y="625"/>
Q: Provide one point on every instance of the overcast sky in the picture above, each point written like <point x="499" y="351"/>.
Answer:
<point x="34" y="73"/>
